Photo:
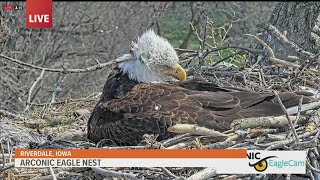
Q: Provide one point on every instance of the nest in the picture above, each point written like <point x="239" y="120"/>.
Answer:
<point x="63" y="125"/>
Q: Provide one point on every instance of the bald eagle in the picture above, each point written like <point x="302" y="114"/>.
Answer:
<point x="148" y="92"/>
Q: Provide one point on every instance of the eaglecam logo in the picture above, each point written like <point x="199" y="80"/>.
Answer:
<point x="261" y="164"/>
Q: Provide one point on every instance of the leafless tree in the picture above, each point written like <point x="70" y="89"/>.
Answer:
<point x="83" y="33"/>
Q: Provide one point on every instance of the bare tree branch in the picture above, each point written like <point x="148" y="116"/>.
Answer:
<point x="89" y="69"/>
<point x="287" y="116"/>
<point x="114" y="173"/>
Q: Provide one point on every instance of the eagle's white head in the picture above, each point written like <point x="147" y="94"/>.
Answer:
<point x="152" y="59"/>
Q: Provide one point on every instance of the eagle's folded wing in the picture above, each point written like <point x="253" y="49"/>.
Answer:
<point x="152" y="108"/>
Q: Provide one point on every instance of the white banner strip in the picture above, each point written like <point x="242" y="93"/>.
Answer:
<point x="223" y="166"/>
<point x="266" y="162"/>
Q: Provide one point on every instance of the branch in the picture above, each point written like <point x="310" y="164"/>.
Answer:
<point x="298" y="114"/>
<point x="282" y="38"/>
<point x="9" y="114"/>
<point x="194" y="129"/>
<point x="195" y="22"/>
<point x="31" y="89"/>
<point x="169" y="173"/>
<point x="52" y="174"/>
<point x="6" y="167"/>
<point x="226" y="58"/>
<point x="287" y="116"/>
<point x="253" y="51"/>
<point x="271" y="53"/>
<point x="220" y="145"/>
<point x="304" y="107"/>
<point x="305" y="65"/>
<point x="175" y="139"/>
<point x="312" y="168"/>
<point x="204" y="174"/>
<point x="314" y="162"/>
<point x="280" y="144"/>
<point x="56" y="86"/>
<point x="114" y="173"/>
<point x="263" y="122"/>
<point x="89" y="69"/>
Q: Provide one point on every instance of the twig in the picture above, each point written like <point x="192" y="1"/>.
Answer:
<point x="10" y="151"/>
<point x="259" y="131"/>
<point x="52" y="174"/>
<point x="311" y="175"/>
<point x="304" y="107"/>
<point x="31" y="89"/>
<point x="194" y="21"/>
<point x="233" y="137"/>
<point x="271" y="53"/>
<point x="59" y="174"/>
<point x="314" y="163"/>
<point x="63" y="102"/>
<point x="6" y="167"/>
<point x="298" y="114"/>
<point x="213" y="49"/>
<point x="169" y="173"/>
<point x="287" y="116"/>
<point x="304" y="145"/>
<point x="279" y="144"/>
<point x="89" y="69"/>
<point x="312" y="168"/>
<point x="202" y="47"/>
<point x="185" y="50"/>
<point x="220" y="145"/>
<point x="306" y="64"/>
<point x="56" y="86"/>
<point x="9" y="114"/>
<point x="261" y="74"/>
<point x="175" y="139"/>
<point x="231" y="177"/>
<point x="195" y="129"/>
<point x="262" y="122"/>
<point x="2" y="152"/>
<point x="253" y="51"/>
<point x="223" y="59"/>
<point x="6" y="155"/>
<point x="180" y="145"/>
<point x="299" y="111"/>
<point x="110" y="173"/>
<point x="275" y="137"/>
<point x="282" y="38"/>
<point x="204" y="174"/>
<point x="204" y="36"/>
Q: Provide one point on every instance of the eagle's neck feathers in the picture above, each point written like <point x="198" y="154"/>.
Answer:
<point x="140" y="72"/>
<point x="150" y="56"/>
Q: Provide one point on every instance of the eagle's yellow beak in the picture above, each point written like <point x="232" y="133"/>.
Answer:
<point x="180" y="73"/>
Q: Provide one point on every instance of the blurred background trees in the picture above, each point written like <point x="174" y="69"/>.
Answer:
<point x="87" y="32"/>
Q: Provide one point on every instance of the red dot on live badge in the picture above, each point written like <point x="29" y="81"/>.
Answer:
<point x="8" y="7"/>
<point x="12" y="7"/>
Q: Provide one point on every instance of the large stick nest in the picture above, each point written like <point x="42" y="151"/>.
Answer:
<point x="63" y="124"/>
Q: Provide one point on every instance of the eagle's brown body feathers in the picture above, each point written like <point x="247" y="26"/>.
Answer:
<point x="127" y="109"/>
